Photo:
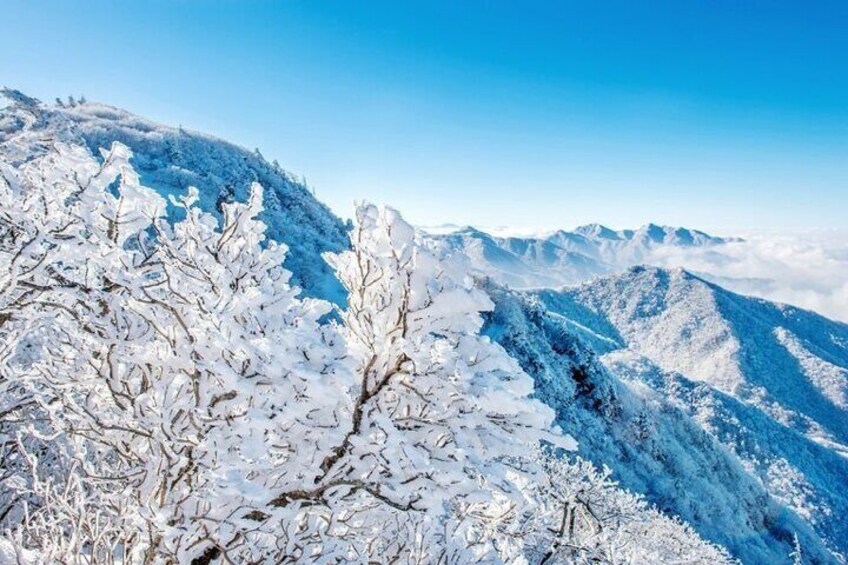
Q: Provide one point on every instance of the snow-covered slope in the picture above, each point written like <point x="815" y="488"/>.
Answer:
<point x="567" y="257"/>
<point x="172" y="159"/>
<point x="522" y="262"/>
<point x="612" y="242"/>
<point x="652" y="445"/>
<point x="768" y="380"/>
<point x="757" y="351"/>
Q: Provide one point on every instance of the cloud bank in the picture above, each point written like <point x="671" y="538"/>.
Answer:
<point x="807" y="269"/>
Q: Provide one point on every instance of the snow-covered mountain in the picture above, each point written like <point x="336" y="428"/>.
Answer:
<point x="647" y="235"/>
<point x="567" y="257"/>
<point x="769" y="381"/>
<point x="726" y="411"/>
<point x="523" y="262"/>
<point x="653" y="442"/>
<point x="171" y="159"/>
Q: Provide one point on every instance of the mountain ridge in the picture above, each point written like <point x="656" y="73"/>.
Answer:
<point x="749" y="370"/>
<point x="565" y="258"/>
<point x="652" y="445"/>
<point x="171" y="159"/>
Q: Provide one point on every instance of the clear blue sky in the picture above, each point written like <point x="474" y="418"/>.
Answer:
<point x="719" y="114"/>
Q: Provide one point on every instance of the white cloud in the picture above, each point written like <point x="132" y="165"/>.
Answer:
<point x="808" y="269"/>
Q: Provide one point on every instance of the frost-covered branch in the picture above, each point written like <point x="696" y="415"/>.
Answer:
<point x="166" y="396"/>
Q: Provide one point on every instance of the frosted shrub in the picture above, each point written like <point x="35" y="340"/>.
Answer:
<point x="166" y="396"/>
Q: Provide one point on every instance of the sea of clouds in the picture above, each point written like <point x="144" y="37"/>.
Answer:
<point x="806" y="269"/>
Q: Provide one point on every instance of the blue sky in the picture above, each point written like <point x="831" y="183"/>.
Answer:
<point x="720" y="115"/>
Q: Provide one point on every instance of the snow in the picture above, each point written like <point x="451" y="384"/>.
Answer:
<point x="167" y="394"/>
<point x="721" y="410"/>
<point x="171" y="159"/>
<point x="830" y="379"/>
<point x="562" y="257"/>
<point x="806" y="268"/>
<point x="767" y="380"/>
<point x="627" y="419"/>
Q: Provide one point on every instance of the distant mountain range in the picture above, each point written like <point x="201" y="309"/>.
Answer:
<point x="567" y="257"/>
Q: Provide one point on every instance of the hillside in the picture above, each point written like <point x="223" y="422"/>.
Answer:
<point x="653" y="443"/>
<point x="767" y="380"/>
<point x="171" y="159"/>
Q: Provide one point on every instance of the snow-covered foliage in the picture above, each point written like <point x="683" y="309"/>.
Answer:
<point x="153" y="374"/>
<point x="584" y="517"/>
<point x="437" y="412"/>
<point x="168" y="397"/>
<point x="171" y="159"/>
<point x="166" y="394"/>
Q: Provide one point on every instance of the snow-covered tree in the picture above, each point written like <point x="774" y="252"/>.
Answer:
<point x="175" y="363"/>
<point x="60" y="229"/>
<point x="167" y="397"/>
<point x="581" y="516"/>
<point x="796" y="554"/>
<point x="437" y="412"/>
<point x="204" y="411"/>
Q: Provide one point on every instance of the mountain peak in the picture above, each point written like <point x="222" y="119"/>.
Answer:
<point x="653" y="230"/>
<point x="597" y="231"/>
